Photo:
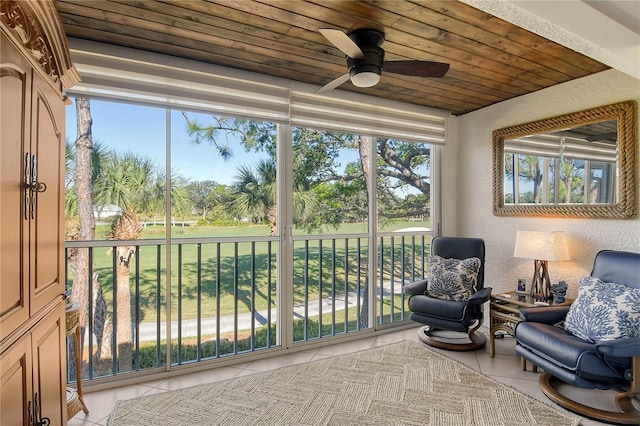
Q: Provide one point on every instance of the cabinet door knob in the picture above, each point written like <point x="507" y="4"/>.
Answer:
<point x="39" y="186"/>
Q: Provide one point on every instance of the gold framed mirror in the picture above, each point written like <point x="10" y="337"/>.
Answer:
<point x="581" y="165"/>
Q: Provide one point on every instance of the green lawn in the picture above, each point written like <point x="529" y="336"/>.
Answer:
<point x="249" y="281"/>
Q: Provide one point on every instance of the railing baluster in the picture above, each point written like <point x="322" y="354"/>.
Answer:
<point x="199" y="305"/>
<point x="269" y="289"/>
<point x="392" y="277"/>
<point x="158" y="305"/>
<point x="358" y="281"/>
<point x="235" y="297"/>
<point x="218" y="283"/>
<point x="413" y="261"/>
<point x="253" y="295"/>
<point x="423" y="255"/>
<point x="306" y="289"/>
<point x="402" y="275"/>
<point x="346" y="285"/>
<point x="179" y="349"/>
<point x="381" y="273"/>
<point x="137" y="308"/>
<point x="90" y="313"/>
<point x="333" y="286"/>
<point x="320" y="288"/>
<point x="114" y="346"/>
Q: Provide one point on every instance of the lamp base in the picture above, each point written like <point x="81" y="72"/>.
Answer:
<point x="540" y="284"/>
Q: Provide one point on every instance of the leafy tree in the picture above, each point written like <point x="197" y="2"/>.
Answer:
<point x="571" y="183"/>
<point x="205" y="196"/>
<point x="530" y="170"/>
<point x="254" y="191"/>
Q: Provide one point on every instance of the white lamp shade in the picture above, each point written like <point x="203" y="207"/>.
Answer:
<point x="541" y="245"/>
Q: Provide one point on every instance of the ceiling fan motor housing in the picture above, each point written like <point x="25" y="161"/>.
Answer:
<point x="365" y="72"/>
<point x="372" y="61"/>
<point x="367" y="37"/>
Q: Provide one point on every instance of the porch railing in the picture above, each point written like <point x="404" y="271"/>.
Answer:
<point x="224" y="295"/>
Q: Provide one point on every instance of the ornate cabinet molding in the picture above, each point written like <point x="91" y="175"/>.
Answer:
<point x="35" y="28"/>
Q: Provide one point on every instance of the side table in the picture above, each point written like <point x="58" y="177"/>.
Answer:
<point x="75" y="401"/>
<point x="504" y="314"/>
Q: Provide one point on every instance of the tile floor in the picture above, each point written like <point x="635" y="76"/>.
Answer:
<point x="505" y="367"/>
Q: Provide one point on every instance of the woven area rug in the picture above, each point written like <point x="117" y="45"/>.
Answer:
<point x="405" y="383"/>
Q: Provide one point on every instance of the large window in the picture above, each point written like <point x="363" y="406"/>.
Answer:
<point x="252" y="214"/>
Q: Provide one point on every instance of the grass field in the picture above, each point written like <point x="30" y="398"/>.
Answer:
<point x="240" y="277"/>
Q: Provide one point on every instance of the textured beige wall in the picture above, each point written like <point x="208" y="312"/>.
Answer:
<point x="473" y="183"/>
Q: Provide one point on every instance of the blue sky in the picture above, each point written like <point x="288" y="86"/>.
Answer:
<point x="142" y="130"/>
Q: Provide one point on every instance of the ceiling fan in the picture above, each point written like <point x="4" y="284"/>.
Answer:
<point x="365" y="59"/>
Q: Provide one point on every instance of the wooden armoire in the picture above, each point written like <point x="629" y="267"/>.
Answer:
<point x="35" y="69"/>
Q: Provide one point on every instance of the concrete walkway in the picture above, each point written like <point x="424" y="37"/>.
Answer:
<point x="148" y="330"/>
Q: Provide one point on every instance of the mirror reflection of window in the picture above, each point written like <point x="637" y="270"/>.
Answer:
<point x="570" y="166"/>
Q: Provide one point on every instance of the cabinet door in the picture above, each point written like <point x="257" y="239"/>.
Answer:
<point x="15" y="86"/>
<point x="46" y="250"/>
<point x="15" y="383"/>
<point x="48" y="349"/>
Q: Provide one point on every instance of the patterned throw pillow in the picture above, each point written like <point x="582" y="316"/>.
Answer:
<point x="604" y="311"/>
<point x="453" y="279"/>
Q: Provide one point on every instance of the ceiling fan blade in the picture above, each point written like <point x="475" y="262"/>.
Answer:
<point x="333" y="83"/>
<point x="343" y="42"/>
<point x="416" y="68"/>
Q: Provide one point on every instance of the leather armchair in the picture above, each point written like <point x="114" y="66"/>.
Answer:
<point x="458" y="316"/>
<point x="567" y="358"/>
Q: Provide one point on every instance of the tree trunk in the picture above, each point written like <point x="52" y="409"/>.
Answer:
<point x="124" y="335"/>
<point x="126" y="227"/>
<point x="86" y="222"/>
<point x="272" y="215"/>
<point x="364" y="148"/>
<point x="82" y="184"/>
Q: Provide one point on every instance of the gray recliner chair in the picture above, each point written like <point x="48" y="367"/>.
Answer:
<point x="452" y="315"/>
<point x="565" y="357"/>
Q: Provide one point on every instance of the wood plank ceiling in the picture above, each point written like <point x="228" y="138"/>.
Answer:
<point x="491" y="60"/>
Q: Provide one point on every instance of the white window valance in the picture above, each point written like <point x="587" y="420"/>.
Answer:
<point x="112" y="72"/>
<point x="343" y="111"/>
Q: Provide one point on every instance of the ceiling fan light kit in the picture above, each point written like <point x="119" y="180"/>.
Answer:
<point x="364" y="79"/>
<point x="365" y="59"/>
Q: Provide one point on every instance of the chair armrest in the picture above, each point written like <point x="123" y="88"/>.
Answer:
<point x="416" y="287"/>
<point x="544" y="314"/>
<point x="627" y="347"/>
<point x="481" y="296"/>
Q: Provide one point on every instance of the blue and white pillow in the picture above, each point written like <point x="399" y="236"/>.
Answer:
<point x="604" y="311"/>
<point x="453" y="279"/>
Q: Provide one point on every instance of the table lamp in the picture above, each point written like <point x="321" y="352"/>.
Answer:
<point x="541" y="246"/>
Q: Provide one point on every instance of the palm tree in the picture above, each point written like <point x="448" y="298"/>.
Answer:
<point x="254" y="195"/>
<point x="136" y="186"/>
